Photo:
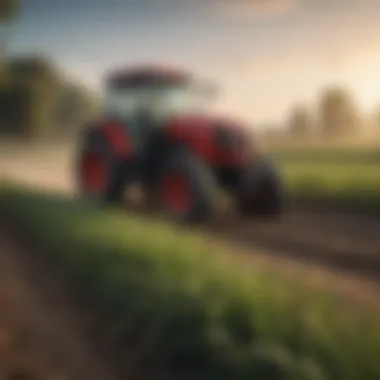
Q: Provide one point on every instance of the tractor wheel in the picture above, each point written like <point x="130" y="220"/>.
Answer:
<point x="100" y="174"/>
<point x="186" y="188"/>
<point x="261" y="191"/>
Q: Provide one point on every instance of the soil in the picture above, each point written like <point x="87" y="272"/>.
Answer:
<point x="40" y="331"/>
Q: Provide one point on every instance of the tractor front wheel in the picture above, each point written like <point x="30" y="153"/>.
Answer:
<point x="186" y="188"/>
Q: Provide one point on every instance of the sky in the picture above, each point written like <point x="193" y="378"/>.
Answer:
<point x="266" y="55"/>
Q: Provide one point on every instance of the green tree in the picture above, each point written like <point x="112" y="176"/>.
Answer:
<point x="28" y="96"/>
<point x="76" y="106"/>
<point x="9" y="9"/>
<point x="36" y="99"/>
<point x="338" y="113"/>
<point x="300" y="121"/>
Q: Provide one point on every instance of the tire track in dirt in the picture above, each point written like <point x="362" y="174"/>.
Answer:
<point x="349" y="243"/>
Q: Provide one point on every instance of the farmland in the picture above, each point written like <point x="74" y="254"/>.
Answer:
<point x="178" y="296"/>
<point x="340" y="178"/>
<point x="332" y="194"/>
<point x="190" y="311"/>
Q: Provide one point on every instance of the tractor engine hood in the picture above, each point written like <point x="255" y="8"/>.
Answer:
<point x="214" y="138"/>
<point x="190" y="124"/>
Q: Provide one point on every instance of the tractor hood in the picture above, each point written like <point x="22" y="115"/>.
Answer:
<point x="204" y="124"/>
<point x="218" y="140"/>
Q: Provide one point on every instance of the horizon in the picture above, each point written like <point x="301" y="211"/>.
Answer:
<point x="265" y="56"/>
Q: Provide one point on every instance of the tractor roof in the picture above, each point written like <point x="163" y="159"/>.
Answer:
<point x="140" y="76"/>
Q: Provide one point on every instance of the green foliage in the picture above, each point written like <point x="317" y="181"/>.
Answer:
<point x="194" y="312"/>
<point x="15" y="104"/>
<point x="8" y="9"/>
<point x="34" y="92"/>
<point x="28" y="91"/>
<point x="75" y="107"/>
<point x="32" y="69"/>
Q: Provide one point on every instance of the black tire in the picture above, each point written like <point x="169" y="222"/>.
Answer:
<point x="201" y="185"/>
<point x="261" y="191"/>
<point x="117" y="170"/>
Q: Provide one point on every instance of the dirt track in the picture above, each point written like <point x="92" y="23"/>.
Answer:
<point x="339" y="244"/>
<point x="41" y="331"/>
<point x="47" y="332"/>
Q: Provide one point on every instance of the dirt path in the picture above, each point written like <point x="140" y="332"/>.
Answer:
<point x="41" y="329"/>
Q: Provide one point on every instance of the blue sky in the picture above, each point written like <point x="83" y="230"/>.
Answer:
<point x="266" y="54"/>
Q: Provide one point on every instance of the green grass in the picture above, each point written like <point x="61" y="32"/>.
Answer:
<point x="341" y="178"/>
<point x="342" y="155"/>
<point x="194" y="312"/>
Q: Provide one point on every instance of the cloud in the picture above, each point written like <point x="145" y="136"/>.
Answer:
<point x="247" y="9"/>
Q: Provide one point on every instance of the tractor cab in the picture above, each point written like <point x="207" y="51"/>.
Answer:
<point x="145" y="98"/>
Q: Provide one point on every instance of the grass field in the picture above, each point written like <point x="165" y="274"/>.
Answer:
<point x="193" y="312"/>
<point x="346" y="178"/>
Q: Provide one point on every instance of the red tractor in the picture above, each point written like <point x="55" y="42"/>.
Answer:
<point x="152" y="132"/>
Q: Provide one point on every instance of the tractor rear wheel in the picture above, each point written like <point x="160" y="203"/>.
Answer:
<point x="261" y="190"/>
<point x="100" y="174"/>
<point x="186" y="188"/>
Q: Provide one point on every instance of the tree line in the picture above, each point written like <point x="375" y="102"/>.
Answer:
<point x="37" y="98"/>
<point x="335" y="115"/>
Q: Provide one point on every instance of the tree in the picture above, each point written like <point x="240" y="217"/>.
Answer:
<point x="338" y="113"/>
<point x="28" y="96"/>
<point x="37" y="99"/>
<point x="75" y="106"/>
<point x="300" y="121"/>
<point x="9" y="10"/>
<point x="32" y="68"/>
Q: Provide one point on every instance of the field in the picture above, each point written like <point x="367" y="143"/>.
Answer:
<point x="292" y="299"/>
<point x="340" y="178"/>
<point x="190" y="311"/>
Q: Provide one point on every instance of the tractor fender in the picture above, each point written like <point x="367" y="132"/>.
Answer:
<point x="194" y="133"/>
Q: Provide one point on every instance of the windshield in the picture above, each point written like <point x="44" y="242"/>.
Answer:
<point x="178" y="99"/>
<point x="159" y="101"/>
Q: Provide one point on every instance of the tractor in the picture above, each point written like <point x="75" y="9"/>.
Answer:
<point x="155" y="131"/>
